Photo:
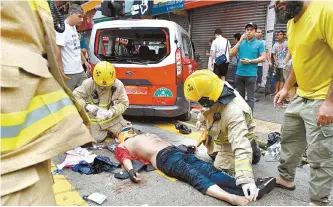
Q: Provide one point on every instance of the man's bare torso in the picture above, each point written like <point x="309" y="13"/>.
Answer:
<point x="146" y="146"/>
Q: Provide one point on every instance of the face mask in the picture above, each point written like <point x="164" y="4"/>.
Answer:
<point x="205" y="102"/>
<point x="292" y="9"/>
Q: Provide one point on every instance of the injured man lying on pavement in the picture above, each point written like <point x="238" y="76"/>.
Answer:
<point x="184" y="166"/>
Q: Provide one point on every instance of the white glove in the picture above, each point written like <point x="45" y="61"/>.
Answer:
<point x="253" y="191"/>
<point x="102" y="114"/>
<point x="110" y="114"/>
<point x="92" y="108"/>
<point x="198" y="125"/>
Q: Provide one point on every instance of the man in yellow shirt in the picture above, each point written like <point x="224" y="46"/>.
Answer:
<point x="308" y="120"/>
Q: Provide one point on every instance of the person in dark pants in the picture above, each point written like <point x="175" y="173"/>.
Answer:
<point x="251" y="52"/>
<point x="259" y="34"/>
<point x="181" y="165"/>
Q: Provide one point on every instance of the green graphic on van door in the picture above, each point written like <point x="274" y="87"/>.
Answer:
<point x="163" y="92"/>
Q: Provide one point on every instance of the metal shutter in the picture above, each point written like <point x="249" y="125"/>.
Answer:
<point x="181" y="20"/>
<point x="230" y="17"/>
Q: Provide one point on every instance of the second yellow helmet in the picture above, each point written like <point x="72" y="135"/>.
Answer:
<point x="104" y="74"/>
<point x="203" y="83"/>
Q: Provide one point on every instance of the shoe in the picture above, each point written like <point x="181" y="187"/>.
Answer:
<point x="256" y="153"/>
<point x="284" y="187"/>
<point x="265" y="185"/>
<point x="183" y="128"/>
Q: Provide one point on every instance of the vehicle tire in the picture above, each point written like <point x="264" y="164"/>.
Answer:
<point x="185" y="117"/>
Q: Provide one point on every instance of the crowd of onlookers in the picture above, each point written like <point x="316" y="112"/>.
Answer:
<point x="247" y="62"/>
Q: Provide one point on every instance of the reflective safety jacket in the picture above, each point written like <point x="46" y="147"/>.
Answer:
<point x="39" y="116"/>
<point x="230" y="136"/>
<point x="112" y="98"/>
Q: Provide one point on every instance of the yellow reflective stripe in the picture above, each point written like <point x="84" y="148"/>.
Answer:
<point x="100" y="121"/>
<point x="243" y="169"/>
<point x="33" y="5"/>
<point x="30" y="133"/>
<point x="250" y="137"/>
<point x="218" y="142"/>
<point x="16" y="118"/>
<point x="240" y="162"/>
<point x="44" y="111"/>
<point x="103" y="105"/>
<point x="243" y="165"/>
<point x="41" y="3"/>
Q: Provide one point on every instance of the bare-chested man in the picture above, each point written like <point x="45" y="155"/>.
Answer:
<point x="174" y="162"/>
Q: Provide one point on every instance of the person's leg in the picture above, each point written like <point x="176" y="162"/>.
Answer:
<point x="116" y="129"/>
<point x="320" y="153"/>
<point x="97" y="133"/>
<point x="281" y="79"/>
<point x="240" y="84"/>
<point x="277" y="80"/>
<point x="293" y="143"/>
<point x="71" y="83"/>
<point x="216" y="70"/>
<point x="234" y="69"/>
<point x="250" y="88"/>
<point x="220" y="178"/>
<point x="216" y="192"/>
<point x="224" y="70"/>
<point x="259" y="77"/>
<point x="82" y="77"/>
<point x="286" y="71"/>
<point x="178" y="167"/>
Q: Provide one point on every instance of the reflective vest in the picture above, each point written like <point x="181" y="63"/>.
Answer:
<point x="44" y="111"/>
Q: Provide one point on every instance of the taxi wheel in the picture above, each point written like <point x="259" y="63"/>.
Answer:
<point x="185" y="117"/>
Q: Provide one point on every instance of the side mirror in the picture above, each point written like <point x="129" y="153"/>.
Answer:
<point x="197" y="58"/>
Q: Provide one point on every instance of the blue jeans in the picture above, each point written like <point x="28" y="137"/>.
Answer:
<point x="201" y="175"/>
<point x="247" y="83"/>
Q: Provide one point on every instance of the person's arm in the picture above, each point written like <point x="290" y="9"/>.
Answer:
<point x="86" y="63"/>
<point x="241" y="147"/>
<point x="274" y="56"/>
<point x="81" y="93"/>
<point x="59" y="58"/>
<point x="268" y="57"/>
<point x="123" y="156"/>
<point x="213" y="53"/>
<point x="325" y="114"/>
<point x="122" y="101"/>
<point x="234" y="50"/>
<point x="282" y="95"/>
<point x="61" y="42"/>
<point x="287" y="58"/>
<point x="260" y="59"/>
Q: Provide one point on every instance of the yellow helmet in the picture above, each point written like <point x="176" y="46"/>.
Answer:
<point x="104" y="74"/>
<point x="126" y="133"/>
<point x="203" y="86"/>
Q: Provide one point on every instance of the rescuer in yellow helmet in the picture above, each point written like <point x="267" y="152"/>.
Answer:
<point x="229" y="127"/>
<point x="40" y="118"/>
<point x="105" y="100"/>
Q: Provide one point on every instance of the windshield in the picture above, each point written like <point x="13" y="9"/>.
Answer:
<point x="132" y="45"/>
